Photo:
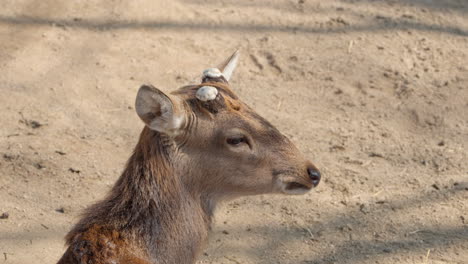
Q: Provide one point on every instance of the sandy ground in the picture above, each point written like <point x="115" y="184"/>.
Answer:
<point x="374" y="92"/>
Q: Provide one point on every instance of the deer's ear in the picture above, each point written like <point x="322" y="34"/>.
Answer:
<point x="159" y="111"/>
<point x="229" y="65"/>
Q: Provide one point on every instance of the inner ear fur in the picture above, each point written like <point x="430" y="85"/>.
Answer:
<point x="159" y="111"/>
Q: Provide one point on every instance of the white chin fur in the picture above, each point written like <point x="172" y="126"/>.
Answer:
<point x="282" y="185"/>
<point x="206" y="93"/>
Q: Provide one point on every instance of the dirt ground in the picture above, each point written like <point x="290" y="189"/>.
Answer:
<point x="374" y="92"/>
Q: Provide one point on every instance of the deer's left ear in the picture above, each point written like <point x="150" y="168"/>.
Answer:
<point x="159" y="111"/>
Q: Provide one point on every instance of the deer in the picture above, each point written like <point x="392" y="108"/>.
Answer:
<point x="200" y="146"/>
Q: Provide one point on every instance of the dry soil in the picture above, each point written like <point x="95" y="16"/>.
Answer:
<point x="374" y="92"/>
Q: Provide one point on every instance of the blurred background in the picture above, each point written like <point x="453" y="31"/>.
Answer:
<point x="374" y="92"/>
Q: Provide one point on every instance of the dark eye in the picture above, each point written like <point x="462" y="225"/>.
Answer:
<point x="235" y="141"/>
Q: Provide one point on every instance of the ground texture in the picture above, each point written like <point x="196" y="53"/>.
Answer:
<point x="374" y="92"/>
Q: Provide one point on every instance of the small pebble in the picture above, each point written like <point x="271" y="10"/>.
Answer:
<point x="364" y="208"/>
<point x="4" y="216"/>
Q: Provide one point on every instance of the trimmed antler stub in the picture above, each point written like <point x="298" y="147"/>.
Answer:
<point x="212" y="73"/>
<point x="209" y="93"/>
<point x="206" y="93"/>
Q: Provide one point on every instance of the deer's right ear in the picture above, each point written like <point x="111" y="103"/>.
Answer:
<point x="159" y="111"/>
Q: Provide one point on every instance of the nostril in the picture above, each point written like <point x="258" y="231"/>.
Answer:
<point x="314" y="175"/>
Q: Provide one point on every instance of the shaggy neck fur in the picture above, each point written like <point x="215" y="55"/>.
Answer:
<point x="152" y="207"/>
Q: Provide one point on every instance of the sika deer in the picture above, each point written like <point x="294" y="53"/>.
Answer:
<point x="201" y="145"/>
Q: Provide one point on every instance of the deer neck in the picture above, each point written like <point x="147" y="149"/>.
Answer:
<point x="172" y="218"/>
<point x="152" y="206"/>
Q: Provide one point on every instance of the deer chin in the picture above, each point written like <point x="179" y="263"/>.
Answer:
<point x="293" y="186"/>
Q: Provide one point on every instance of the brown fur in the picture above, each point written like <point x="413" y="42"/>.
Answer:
<point x="145" y="207"/>
<point x="160" y="209"/>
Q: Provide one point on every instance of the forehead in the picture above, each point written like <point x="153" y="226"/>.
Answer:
<point x="229" y="110"/>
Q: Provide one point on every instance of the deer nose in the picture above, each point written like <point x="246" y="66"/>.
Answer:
<point x="314" y="175"/>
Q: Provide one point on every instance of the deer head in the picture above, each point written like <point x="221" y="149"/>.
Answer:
<point x="219" y="145"/>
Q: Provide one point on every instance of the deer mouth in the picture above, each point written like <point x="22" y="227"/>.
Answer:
<point x="293" y="185"/>
<point x="289" y="182"/>
<point x="296" y="188"/>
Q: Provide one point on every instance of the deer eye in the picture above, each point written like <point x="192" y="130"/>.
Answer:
<point x="235" y="141"/>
